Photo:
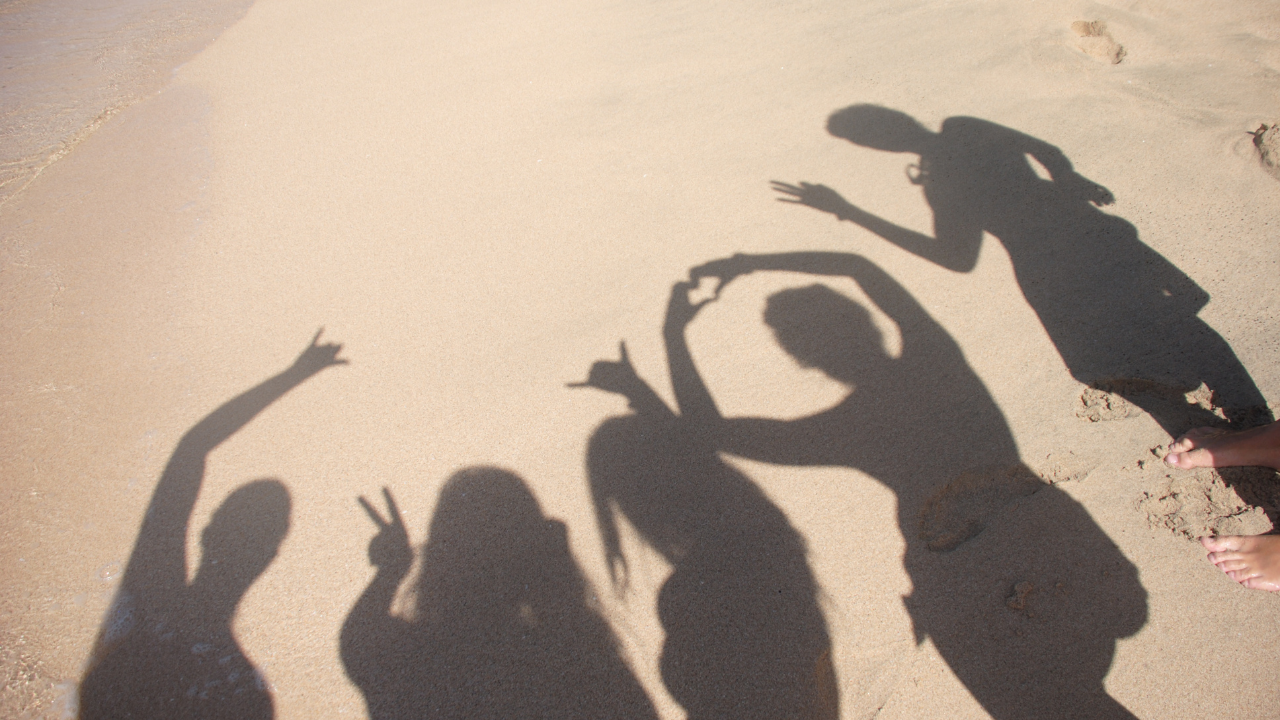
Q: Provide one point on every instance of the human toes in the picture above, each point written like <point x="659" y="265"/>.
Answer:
<point x="1229" y="565"/>
<point x="1189" y="459"/>
<point x="1222" y="544"/>
<point x="1244" y="575"/>
<point x="1260" y="583"/>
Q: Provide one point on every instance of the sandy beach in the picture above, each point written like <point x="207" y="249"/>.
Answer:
<point x="965" y="264"/>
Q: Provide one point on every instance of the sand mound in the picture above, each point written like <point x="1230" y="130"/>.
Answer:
<point x="1121" y="399"/>
<point x="1107" y="401"/>
<point x="1267" y="140"/>
<point x="1207" y="502"/>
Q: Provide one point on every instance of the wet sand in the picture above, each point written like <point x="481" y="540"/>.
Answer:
<point x="480" y="201"/>
<point x="71" y="65"/>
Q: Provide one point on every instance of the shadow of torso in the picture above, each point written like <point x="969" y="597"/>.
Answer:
<point x="166" y="659"/>
<point x="745" y="636"/>
<point x="1020" y="590"/>
<point x="1114" y="308"/>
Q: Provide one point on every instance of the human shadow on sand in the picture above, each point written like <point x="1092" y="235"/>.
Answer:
<point x="504" y="624"/>
<point x="1020" y="591"/>
<point x="745" y="634"/>
<point x="1123" y="318"/>
<point x="166" y="649"/>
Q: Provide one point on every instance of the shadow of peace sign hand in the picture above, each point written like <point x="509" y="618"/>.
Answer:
<point x="389" y="550"/>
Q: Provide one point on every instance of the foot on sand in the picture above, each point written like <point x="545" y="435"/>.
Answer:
<point x="1251" y="560"/>
<point x="1213" y="447"/>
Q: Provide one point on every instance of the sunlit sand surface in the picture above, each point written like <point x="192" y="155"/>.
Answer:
<point x="478" y="201"/>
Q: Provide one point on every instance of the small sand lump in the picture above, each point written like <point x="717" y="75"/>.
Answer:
<point x="1095" y="41"/>
<point x="1018" y="601"/>
<point x="1267" y="140"/>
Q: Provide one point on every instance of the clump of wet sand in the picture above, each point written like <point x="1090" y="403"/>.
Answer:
<point x="1208" y="502"/>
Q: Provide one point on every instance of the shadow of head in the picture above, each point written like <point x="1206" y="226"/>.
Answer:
<point x="879" y="128"/>
<point x="485" y="507"/>
<point x="823" y="329"/>
<point x="489" y="540"/>
<point x="243" y="537"/>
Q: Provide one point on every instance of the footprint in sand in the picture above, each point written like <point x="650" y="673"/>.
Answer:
<point x="1065" y="466"/>
<point x="1094" y="40"/>
<point x="1099" y="405"/>
<point x="961" y="509"/>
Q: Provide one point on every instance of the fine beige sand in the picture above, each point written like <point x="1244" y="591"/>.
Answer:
<point x="480" y="200"/>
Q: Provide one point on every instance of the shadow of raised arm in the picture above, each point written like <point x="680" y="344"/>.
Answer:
<point x="955" y="246"/>
<point x="159" y="556"/>
<point x="896" y="302"/>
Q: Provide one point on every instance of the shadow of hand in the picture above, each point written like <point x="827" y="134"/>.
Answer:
<point x="318" y="357"/>
<point x="818" y="197"/>
<point x="616" y="376"/>
<point x="389" y="550"/>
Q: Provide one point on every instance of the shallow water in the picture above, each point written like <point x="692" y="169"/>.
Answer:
<point x="68" y="65"/>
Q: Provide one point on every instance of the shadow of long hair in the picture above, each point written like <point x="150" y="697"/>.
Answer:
<point x="503" y="624"/>
<point x="745" y="635"/>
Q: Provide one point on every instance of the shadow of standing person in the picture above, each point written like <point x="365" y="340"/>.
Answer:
<point x="505" y="626"/>
<point x="745" y="635"/>
<point x="1021" y="592"/>
<point x="166" y="649"/>
<point x="1123" y="318"/>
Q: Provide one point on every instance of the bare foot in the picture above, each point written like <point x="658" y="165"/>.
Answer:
<point x="1213" y="447"/>
<point x="1251" y="560"/>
